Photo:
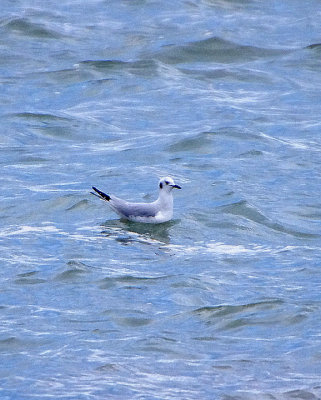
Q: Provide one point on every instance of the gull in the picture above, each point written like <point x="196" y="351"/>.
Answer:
<point x="161" y="210"/>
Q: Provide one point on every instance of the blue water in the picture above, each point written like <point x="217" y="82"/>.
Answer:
<point x="224" y="301"/>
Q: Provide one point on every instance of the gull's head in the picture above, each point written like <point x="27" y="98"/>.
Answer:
<point x="167" y="184"/>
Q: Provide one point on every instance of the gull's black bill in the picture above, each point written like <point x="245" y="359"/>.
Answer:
<point x="100" y="194"/>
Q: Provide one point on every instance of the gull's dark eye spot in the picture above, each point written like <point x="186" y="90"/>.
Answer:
<point x="161" y="185"/>
<point x="167" y="183"/>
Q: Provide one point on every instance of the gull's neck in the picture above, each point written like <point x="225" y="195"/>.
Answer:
<point x="165" y="199"/>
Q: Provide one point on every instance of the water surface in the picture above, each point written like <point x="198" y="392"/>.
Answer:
<point x="222" y="302"/>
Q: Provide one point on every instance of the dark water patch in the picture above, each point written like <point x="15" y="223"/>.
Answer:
<point x="33" y="160"/>
<point x="48" y="125"/>
<point x="230" y="4"/>
<point x="61" y="77"/>
<point x="76" y="271"/>
<point x="233" y="131"/>
<point x="40" y="117"/>
<point x="80" y="205"/>
<point x="29" y="281"/>
<point x="107" y="283"/>
<point x="168" y="347"/>
<point x="243" y="209"/>
<point x="316" y="46"/>
<point x="131" y="281"/>
<point x="10" y="344"/>
<point x="218" y="73"/>
<point x="152" y="229"/>
<point x="208" y="142"/>
<point x="214" y="50"/>
<point x="128" y="318"/>
<point x="105" y="64"/>
<point x="232" y="74"/>
<point x="132" y="322"/>
<point x="212" y="142"/>
<point x="25" y="27"/>
<point x="127" y="232"/>
<point x="205" y="338"/>
<point x="108" y="368"/>
<point x="55" y="132"/>
<point x="305" y="63"/>
<point x="69" y="275"/>
<point x="297" y="394"/>
<point x="224" y="310"/>
<point x="79" y="265"/>
<point x="274" y="313"/>
<point x="313" y="215"/>
<point x="15" y="344"/>
<point x="228" y="317"/>
<point x="200" y="143"/>
<point x="53" y="126"/>
<point x="300" y="394"/>
<point x="141" y="67"/>
<point x="189" y="283"/>
<point x="27" y="274"/>
<point x="137" y="279"/>
<point x="251" y="153"/>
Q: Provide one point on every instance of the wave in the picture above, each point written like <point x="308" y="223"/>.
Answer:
<point x="25" y="27"/>
<point x="243" y="209"/>
<point x="141" y="67"/>
<point x="214" y="49"/>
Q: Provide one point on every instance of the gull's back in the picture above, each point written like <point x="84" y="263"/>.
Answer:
<point x="134" y="211"/>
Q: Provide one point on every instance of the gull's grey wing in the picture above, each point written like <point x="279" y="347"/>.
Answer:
<point x="127" y="209"/>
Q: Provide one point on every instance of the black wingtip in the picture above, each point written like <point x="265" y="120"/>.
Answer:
<point x="101" y="194"/>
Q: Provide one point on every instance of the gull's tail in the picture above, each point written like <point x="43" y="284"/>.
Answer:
<point x="100" y="194"/>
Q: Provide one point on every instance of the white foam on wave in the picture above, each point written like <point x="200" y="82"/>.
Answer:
<point x="26" y="229"/>
<point x="223" y="249"/>
<point x="215" y="248"/>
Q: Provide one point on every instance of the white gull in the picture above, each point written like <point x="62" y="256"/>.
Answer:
<point x="161" y="210"/>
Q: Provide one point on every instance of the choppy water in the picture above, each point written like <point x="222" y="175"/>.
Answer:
<point x="224" y="302"/>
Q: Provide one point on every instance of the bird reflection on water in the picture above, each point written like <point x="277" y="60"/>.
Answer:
<point x="127" y="232"/>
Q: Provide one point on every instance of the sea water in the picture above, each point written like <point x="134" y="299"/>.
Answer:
<point x="224" y="301"/>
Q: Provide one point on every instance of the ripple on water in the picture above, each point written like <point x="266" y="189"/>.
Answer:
<point x="235" y="316"/>
<point x="27" y="28"/>
<point x="243" y="209"/>
<point x="201" y="143"/>
<point x="214" y="49"/>
<point x="29" y="278"/>
<point x="223" y="303"/>
<point x="145" y="68"/>
<point x="73" y="272"/>
<point x="60" y="126"/>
